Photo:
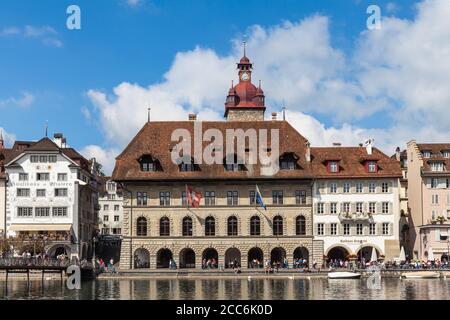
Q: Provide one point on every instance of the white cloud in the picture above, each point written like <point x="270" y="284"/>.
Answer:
<point x="86" y="113"/>
<point x="25" y="100"/>
<point x="134" y="3"/>
<point x="106" y="157"/>
<point x="400" y="71"/>
<point x="46" y="34"/>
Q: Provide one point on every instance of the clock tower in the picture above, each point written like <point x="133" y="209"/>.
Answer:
<point x="245" y="102"/>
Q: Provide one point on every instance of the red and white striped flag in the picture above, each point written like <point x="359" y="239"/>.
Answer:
<point x="193" y="197"/>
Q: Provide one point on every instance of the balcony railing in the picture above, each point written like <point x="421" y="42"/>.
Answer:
<point x="355" y="216"/>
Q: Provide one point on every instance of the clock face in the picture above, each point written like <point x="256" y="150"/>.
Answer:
<point x="245" y="76"/>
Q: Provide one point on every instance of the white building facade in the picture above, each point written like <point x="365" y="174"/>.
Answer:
<point x="111" y="209"/>
<point x="356" y="209"/>
<point x="52" y="196"/>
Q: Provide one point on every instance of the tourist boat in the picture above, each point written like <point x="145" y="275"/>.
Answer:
<point x="344" y="275"/>
<point x="421" y="275"/>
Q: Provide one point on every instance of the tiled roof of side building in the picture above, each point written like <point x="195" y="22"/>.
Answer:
<point x="43" y="145"/>
<point x="351" y="163"/>
<point x="154" y="140"/>
<point x="436" y="150"/>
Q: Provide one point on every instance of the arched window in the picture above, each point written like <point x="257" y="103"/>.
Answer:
<point x="255" y="226"/>
<point x="232" y="226"/>
<point x="300" y="226"/>
<point x="164" y="227"/>
<point x="187" y="226"/>
<point x="210" y="226"/>
<point x="278" y="226"/>
<point x="141" y="226"/>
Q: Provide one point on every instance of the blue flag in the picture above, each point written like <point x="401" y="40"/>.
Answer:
<point x="259" y="199"/>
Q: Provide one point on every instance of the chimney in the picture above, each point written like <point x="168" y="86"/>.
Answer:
<point x="58" y="138"/>
<point x="337" y="144"/>
<point x="308" y="152"/>
<point x="274" y="116"/>
<point x="369" y="146"/>
<point x="397" y="154"/>
<point x="192" y="117"/>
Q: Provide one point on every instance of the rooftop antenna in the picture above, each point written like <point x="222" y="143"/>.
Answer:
<point x="46" y="128"/>
<point x="148" y="114"/>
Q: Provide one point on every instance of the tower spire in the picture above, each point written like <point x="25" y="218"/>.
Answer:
<point x="2" y="144"/>
<point x="244" y="41"/>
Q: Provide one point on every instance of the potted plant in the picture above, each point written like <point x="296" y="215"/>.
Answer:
<point x="441" y="219"/>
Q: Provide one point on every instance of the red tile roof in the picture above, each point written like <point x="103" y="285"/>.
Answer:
<point x="436" y="150"/>
<point x="155" y="139"/>
<point x="351" y="163"/>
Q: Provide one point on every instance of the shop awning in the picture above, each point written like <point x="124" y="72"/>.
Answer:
<point x="444" y="234"/>
<point x="40" y="227"/>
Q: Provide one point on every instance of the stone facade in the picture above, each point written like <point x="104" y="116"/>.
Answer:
<point x="245" y="115"/>
<point x="289" y="240"/>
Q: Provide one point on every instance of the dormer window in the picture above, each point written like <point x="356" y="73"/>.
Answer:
<point x="426" y="154"/>
<point x="189" y="166"/>
<point x="235" y="166"/>
<point x="186" y="167"/>
<point x="148" y="163"/>
<point x="333" y="166"/>
<point x="288" y="162"/>
<point x="437" y="166"/>
<point x="372" y="166"/>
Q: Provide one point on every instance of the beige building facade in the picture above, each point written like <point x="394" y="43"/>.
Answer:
<point x="429" y="199"/>
<point x="241" y="232"/>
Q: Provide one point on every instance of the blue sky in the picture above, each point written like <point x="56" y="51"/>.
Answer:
<point x="47" y="71"/>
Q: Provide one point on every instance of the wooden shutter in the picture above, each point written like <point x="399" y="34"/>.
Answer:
<point x="378" y="207"/>
<point x="353" y="207"/>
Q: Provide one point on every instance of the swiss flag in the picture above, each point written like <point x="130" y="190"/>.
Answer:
<point x="193" y="197"/>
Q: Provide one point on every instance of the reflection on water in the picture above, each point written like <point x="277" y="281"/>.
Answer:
<point x="231" y="289"/>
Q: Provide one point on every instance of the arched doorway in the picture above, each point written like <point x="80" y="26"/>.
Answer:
<point x="59" y="250"/>
<point x="232" y="258"/>
<point x="163" y="258"/>
<point x="365" y="253"/>
<point x="301" y="257"/>
<point x="277" y="256"/>
<point x="141" y="259"/>
<point x="187" y="258"/>
<point x="210" y="258"/>
<point x="255" y="258"/>
<point x="337" y="253"/>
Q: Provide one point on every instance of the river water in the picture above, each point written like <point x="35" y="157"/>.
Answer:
<point x="276" y="288"/>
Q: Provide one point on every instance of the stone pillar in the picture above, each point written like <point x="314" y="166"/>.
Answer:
<point x="153" y="261"/>
<point x="126" y="261"/>
<point x="317" y="253"/>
